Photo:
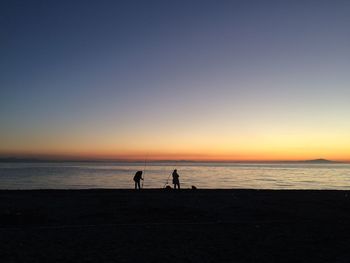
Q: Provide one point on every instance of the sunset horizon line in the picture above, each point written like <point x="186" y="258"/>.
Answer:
<point x="70" y="158"/>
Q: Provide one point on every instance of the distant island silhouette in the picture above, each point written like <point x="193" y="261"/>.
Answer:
<point x="325" y="161"/>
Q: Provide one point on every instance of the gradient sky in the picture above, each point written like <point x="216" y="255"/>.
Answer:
<point x="209" y="80"/>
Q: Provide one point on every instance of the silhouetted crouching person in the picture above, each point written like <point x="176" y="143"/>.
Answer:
<point x="137" y="179"/>
<point x="176" y="180"/>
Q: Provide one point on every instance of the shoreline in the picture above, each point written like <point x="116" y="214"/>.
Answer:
<point x="182" y="190"/>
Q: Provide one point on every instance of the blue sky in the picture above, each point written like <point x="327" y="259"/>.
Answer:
<point x="124" y="77"/>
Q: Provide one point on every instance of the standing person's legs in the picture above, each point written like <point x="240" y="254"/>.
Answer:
<point x="139" y="185"/>
<point x="178" y="185"/>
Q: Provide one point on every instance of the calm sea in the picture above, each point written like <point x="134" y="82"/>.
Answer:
<point x="202" y="175"/>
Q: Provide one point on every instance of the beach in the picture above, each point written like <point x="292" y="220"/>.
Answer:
<point x="174" y="226"/>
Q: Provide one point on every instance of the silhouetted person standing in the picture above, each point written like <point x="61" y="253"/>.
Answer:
<point x="137" y="179"/>
<point x="176" y="180"/>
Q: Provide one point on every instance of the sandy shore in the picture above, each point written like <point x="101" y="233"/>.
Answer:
<point x="185" y="226"/>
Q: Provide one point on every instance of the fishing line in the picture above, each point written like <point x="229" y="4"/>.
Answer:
<point x="144" y="171"/>
<point x="170" y="173"/>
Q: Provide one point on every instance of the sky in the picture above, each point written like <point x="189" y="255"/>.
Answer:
<point x="194" y="80"/>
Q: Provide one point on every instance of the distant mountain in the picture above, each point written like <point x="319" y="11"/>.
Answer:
<point x="319" y="161"/>
<point x="18" y="160"/>
<point x="36" y="160"/>
<point x="76" y="160"/>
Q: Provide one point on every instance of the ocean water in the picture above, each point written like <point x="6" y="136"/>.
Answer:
<point x="73" y="175"/>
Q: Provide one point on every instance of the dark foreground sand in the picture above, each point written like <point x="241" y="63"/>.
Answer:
<point x="167" y="226"/>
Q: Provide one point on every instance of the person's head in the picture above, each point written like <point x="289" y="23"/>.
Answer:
<point x="175" y="170"/>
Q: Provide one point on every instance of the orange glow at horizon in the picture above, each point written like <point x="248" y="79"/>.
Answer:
<point x="273" y="154"/>
<point x="195" y="141"/>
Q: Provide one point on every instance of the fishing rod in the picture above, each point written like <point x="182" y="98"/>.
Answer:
<point x="167" y="180"/>
<point x="144" y="172"/>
